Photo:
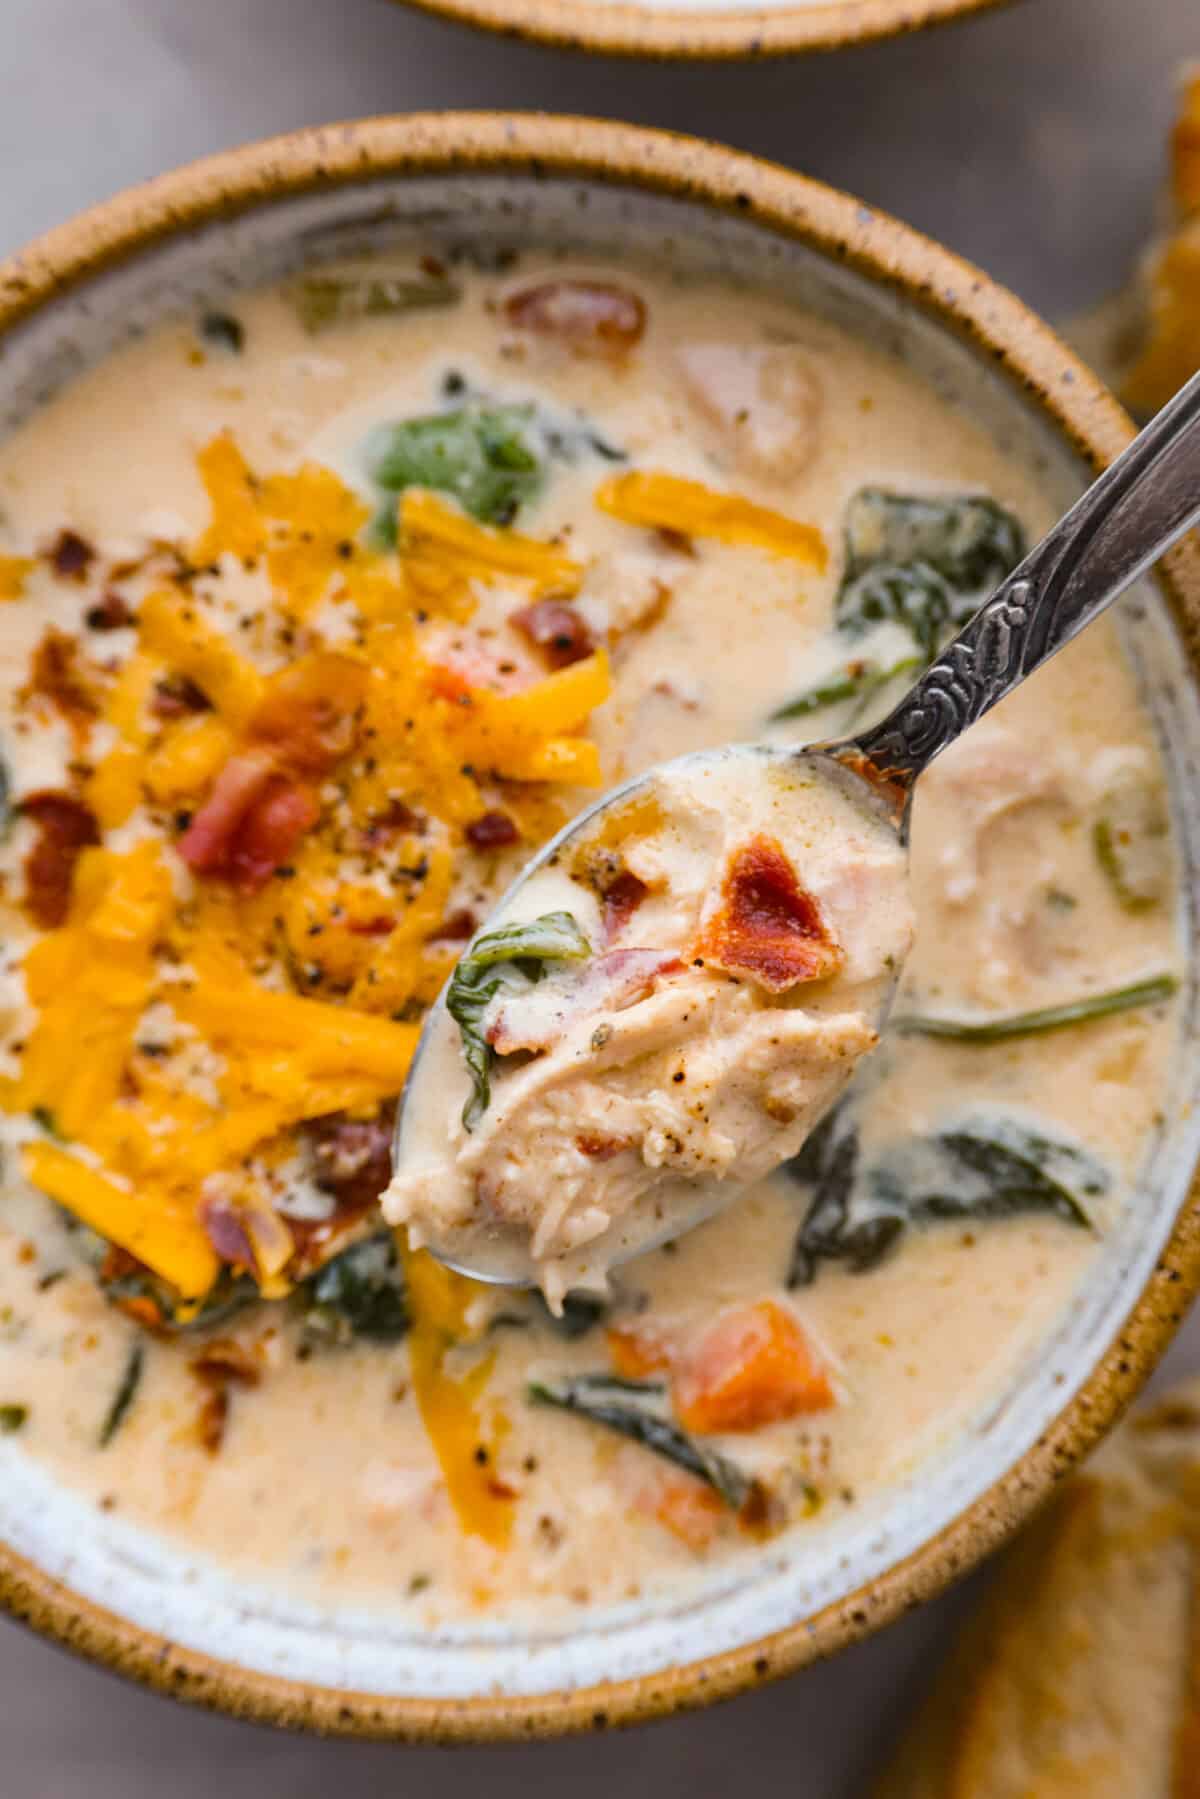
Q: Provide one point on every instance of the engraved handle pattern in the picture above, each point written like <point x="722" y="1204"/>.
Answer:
<point x="1125" y="521"/>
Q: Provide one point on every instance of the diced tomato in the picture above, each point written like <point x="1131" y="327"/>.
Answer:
<point x="767" y="926"/>
<point x="65" y="828"/>
<point x="691" y="1512"/>
<point x="639" y="1349"/>
<point x="753" y="1367"/>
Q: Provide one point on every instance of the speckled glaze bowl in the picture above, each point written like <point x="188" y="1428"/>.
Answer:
<point x="149" y="1610"/>
<point x="703" y="29"/>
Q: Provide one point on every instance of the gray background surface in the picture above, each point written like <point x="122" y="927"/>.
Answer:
<point x="1030" y="140"/>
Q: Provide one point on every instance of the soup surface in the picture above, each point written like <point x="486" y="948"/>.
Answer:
<point x="320" y="614"/>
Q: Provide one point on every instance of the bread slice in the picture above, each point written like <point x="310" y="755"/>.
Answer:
<point x="1081" y="1673"/>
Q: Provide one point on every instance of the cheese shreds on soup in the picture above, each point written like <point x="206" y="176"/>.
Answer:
<point x="322" y="612"/>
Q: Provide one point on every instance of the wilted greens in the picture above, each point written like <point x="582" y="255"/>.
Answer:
<point x="506" y="960"/>
<point x="1150" y="992"/>
<point x="324" y="300"/>
<point x="126" y="1393"/>
<point x="1131" y="838"/>
<point x="980" y="1168"/>
<point x="485" y="457"/>
<point x="359" y="1295"/>
<point x="637" y="1409"/>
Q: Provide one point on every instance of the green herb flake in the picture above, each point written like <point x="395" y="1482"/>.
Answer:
<point x="635" y="1409"/>
<point x="13" y="1418"/>
<point x="506" y="960"/>
<point x="480" y="455"/>
<point x="126" y="1393"/>
<point x="46" y="1121"/>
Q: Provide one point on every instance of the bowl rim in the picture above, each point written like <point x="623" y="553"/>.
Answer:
<point x="701" y="34"/>
<point x="1026" y="352"/>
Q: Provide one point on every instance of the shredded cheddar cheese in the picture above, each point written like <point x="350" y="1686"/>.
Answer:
<point x="13" y="573"/>
<point x="668" y="502"/>
<point x="450" y="1404"/>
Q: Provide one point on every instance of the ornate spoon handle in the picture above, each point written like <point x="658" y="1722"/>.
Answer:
<point x="1137" y="509"/>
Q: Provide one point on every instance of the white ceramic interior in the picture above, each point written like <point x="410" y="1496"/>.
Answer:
<point x="163" y="1589"/>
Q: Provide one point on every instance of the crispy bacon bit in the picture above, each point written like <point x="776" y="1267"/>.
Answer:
<point x="212" y="1419"/>
<point x="609" y="983"/>
<point x="225" y="1362"/>
<point x="65" y="829"/>
<point x="175" y="696"/>
<point x="54" y="675"/>
<point x="492" y="831"/>
<point x="458" y="927"/>
<point x="753" y="1367"/>
<point x="600" y="1149"/>
<point x="677" y="543"/>
<point x="250" y="823"/>
<point x="380" y="924"/>
<point x="397" y="819"/>
<point x="353" y="1162"/>
<point x="353" y="1156"/>
<point x="110" y="613"/>
<point x="561" y="633"/>
<point x="767" y="926"/>
<point x="70" y="556"/>
<point x="593" y="318"/>
<point x="619" y="901"/>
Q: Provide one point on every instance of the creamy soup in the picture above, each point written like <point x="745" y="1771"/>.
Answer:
<point x="320" y="615"/>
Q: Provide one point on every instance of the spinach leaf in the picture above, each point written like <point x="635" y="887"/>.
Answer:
<point x="359" y="1294"/>
<point x="504" y="961"/>
<point x="829" y="1162"/>
<point x="126" y="1393"/>
<point x="1150" y="992"/>
<point x="636" y="1409"/>
<point x="922" y="563"/>
<point x="481" y="455"/>
<point x="324" y="300"/>
<point x="983" y="1168"/>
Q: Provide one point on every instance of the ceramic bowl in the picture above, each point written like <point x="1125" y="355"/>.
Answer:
<point x="149" y="1610"/>
<point x="703" y="29"/>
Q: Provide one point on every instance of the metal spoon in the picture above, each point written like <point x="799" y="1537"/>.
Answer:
<point x="1125" y="521"/>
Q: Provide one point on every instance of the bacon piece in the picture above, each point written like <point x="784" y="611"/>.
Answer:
<point x="112" y="612"/>
<point x="175" y="696"/>
<point x="226" y="1231"/>
<point x="380" y="924"/>
<point x="492" y="831"/>
<point x="65" y="829"/>
<point x="70" y="556"/>
<point x="753" y="1367"/>
<point x="224" y="1361"/>
<point x="353" y="1161"/>
<point x="562" y="634"/>
<point x="609" y="983"/>
<point x="767" y="926"/>
<point x="592" y="318"/>
<point x="458" y="927"/>
<point x="55" y="676"/>
<point x="250" y="823"/>
<point x="619" y="901"/>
